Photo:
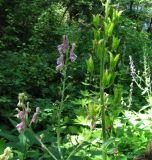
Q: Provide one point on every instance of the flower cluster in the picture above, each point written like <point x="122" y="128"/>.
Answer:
<point x="34" y="118"/>
<point x="132" y="67"/>
<point x="7" y="154"/>
<point x="91" y="118"/>
<point x="72" y="55"/>
<point x="23" y="114"/>
<point x="63" y="49"/>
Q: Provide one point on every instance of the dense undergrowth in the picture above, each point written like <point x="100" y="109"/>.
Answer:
<point x="88" y="97"/>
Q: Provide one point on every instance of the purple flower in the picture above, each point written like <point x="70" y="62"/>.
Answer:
<point x="20" y="126"/>
<point x="22" y="116"/>
<point x="92" y="125"/>
<point x="60" y="62"/>
<point x="62" y="48"/>
<point x="73" y="57"/>
<point x="34" y="118"/>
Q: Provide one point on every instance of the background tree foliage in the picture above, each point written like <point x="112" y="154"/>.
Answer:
<point x="30" y="31"/>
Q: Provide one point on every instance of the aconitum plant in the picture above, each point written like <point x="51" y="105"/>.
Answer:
<point x="108" y="58"/>
<point x="67" y="54"/>
<point x="24" y="112"/>
<point x="72" y="55"/>
<point x="64" y="51"/>
<point x="62" y="48"/>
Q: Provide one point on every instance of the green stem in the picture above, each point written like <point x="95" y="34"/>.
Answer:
<point x="74" y="150"/>
<point x="61" y="107"/>
<point x="25" y="145"/>
<point x="59" y="118"/>
<point x="43" y="145"/>
<point x="102" y="63"/>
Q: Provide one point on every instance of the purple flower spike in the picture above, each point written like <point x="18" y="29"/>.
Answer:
<point x="34" y="118"/>
<point x="60" y="62"/>
<point x="73" y="57"/>
<point x="62" y="48"/>
<point x="66" y="43"/>
<point x="21" y="114"/>
<point x="20" y="126"/>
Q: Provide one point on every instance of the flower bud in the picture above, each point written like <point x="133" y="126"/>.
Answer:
<point x="20" y="126"/>
<point x="34" y="118"/>
<point x="7" y="154"/>
<point x="73" y="57"/>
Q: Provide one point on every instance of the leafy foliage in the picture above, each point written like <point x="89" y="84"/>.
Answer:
<point x="30" y="32"/>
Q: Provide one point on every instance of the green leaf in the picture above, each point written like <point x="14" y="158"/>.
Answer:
<point x="115" y="43"/>
<point x="113" y="60"/>
<point x="107" y="8"/>
<point x="20" y="155"/>
<point x="116" y="15"/>
<point x="93" y="109"/>
<point x="23" y="139"/>
<point x="96" y="20"/>
<point x="2" y="145"/>
<point x="7" y="135"/>
<point x="90" y="65"/>
<point x="110" y="30"/>
<point x="107" y="78"/>
<point x="116" y="58"/>
<point x="99" y="49"/>
<point x="96" y="34"/>
<point x="108" y="142"/>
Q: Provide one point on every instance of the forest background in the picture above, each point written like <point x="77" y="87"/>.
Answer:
<point x="30" y="32"/>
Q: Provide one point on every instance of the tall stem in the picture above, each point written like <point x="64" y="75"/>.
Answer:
<point x="59" y="117"/>
<point x="61" y="107"/>
<point x="43" y="145"/>
<point x="73" y="151"/>
<point x="26" y="148"/>
<point x="102" y="63"/>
